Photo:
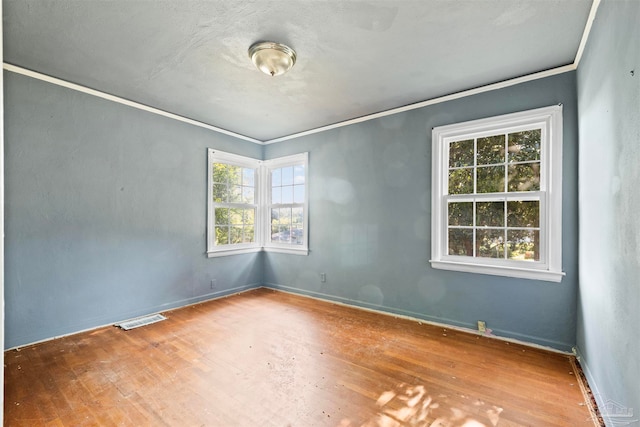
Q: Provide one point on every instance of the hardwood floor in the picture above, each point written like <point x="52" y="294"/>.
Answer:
<point x="266" y="358"/>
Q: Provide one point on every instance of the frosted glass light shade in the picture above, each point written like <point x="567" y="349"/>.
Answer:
<point x="272" y="58"/>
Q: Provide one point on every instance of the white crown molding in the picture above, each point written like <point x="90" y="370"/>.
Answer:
<point x="587" y="31"/>
<point x="56" y="81"/>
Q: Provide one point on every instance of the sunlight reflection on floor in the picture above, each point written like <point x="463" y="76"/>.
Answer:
<point x="413" y="406"/>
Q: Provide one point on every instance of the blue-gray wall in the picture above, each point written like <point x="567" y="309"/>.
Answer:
<point x="608" y="330"/>
<point x="370" y="220"/>
<point x="105" y="212"/>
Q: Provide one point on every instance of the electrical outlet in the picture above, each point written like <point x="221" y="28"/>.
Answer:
<point x="214" y="283"/>
<point x="482" y="326"/>
<point x="323" y="277"/>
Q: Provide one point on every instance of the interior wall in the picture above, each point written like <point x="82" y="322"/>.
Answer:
<point x="105" y="213"/>
<point x="1" y="218"/>
<point x="370" y="219"/>
<point x="608" y="336"/>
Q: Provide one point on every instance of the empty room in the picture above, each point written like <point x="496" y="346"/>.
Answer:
<point x="320" y="213"/>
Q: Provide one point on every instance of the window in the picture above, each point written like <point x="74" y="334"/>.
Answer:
<point x="254" y="205"/>
<point x="287" y="204"/>
<point x="233" y="203"/>
<point x="497" y="195"/>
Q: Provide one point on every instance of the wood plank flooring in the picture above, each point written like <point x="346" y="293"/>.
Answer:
<point x="267" y="358"/>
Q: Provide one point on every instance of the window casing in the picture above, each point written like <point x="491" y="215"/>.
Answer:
<point x="251" y="208"/>
<point x="497" y="195"/>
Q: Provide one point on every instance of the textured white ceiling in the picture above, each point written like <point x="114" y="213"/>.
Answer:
<point x="189" y="57"/>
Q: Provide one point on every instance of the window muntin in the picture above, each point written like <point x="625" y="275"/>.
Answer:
<point x="497" y="195"/>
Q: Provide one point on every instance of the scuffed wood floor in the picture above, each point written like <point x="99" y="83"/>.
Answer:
<point x="266" y="358"/>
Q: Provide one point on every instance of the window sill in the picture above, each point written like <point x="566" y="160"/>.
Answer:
<point x="240" y="251"/>
<point x="287" y="250"/>
<point x="521" y="273"/>
<point x="236" y="251"/>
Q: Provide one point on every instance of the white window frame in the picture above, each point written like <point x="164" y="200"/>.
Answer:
<point x="262" y="204"/>
<point x="549" y="267"/>
<point x="268" y="167"/>
<point x="213" y="250"/>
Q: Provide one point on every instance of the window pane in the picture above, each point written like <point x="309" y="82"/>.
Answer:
<point x="523" y="214"/>
<point x="248" y="177"/>
<point x="287" y="194"/>
<point x="235" y="175"/>
<point x="220" y="173"/>
<point x="297" y="216"/>
<point x="461" y="153"/>
<point x="460" y="242"/>
<point x="235" y="194"/>
<point x="248" y="195"/>
<point x="298" y="194"/>
<point x="249" y="216"/>
<point x="461" y="213"/>
<point x="285" y="233"/>
<point x="220" y="193"/>
<point x="222" y="235"/>
<point x="222" y="215"/>
<point x="490" y="179"/>
<point x="276" y="195"/>
<point x="285" y="216"/>
<point x="490" y="214"/>
<point x="524" y="245"/>
<point x="524" y="177"/>
<point x="235" y="216"/>
<point x="235" y="236"/>
<point x="276" y="177"/>
<point x="490" y="243"/>
<point x="524" y="146"/>
<point x="287" y="175"/>
<point x="280" y="233"/>
<point x="297" y="235"/>
<point x="461" y="181"/>
<point x="298" y="174"/>
<point x="249" y="235"/>
<point x="491" y="150"/>
<point x="275" y="233"/>
<point x="275" y="216"/>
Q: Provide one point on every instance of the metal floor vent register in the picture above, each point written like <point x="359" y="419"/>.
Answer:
<point x="141" y="321"/>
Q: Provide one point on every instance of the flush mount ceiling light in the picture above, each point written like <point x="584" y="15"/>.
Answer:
<point x="272" y="58"/>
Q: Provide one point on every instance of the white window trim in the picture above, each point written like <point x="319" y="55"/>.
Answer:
<point x="262" y="203"/>
<point x="549" y="268"/>
<point x="268" y="165"/>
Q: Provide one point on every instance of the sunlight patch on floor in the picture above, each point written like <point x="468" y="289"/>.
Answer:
<point x="413" y="406"/>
